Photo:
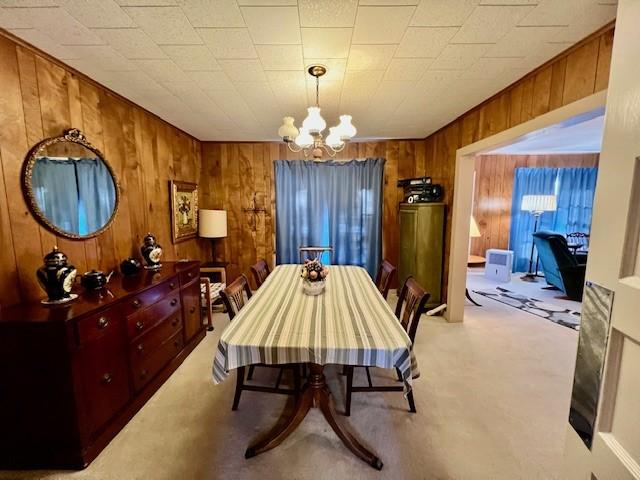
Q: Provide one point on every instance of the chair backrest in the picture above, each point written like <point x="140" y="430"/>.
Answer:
<point x="260" y="272"/>
<point x="578" y="238"/>
<point x="411" y="306"/>
<point x="233" y="296"/>
<point x="315" y="252"/>
<point x="384" y="277"/>
<point x="554" y="255"/>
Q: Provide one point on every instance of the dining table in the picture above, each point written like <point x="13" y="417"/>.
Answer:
<point x="350" y="323"/>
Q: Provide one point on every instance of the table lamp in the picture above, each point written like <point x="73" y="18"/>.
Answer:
<point x="212" y="224"/>
<point x="536" y="205"/>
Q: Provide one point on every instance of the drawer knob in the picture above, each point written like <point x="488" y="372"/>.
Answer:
<point x="136" y="303"/>
<point x="174" y="322"/>
<point x="192" y="310"/>
<point x="139" y="325"/>
<point x="140" y="348"/>
<point x="107" y="378"/>
<point x="176" y="343"/>
<point x="174" y="302"/>
<point x="103" y="322"/>
<point x="189" y="274"/>
<point x="172" y="285"/>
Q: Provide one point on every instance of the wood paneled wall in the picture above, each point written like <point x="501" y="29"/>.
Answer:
<point x="233" y="173"/>
<point x="574" y="74"/>
<point x="40" y="98"/>
<point x="494" y="189"/>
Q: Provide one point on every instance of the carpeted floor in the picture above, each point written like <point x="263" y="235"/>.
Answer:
<point x="492" y="403"/>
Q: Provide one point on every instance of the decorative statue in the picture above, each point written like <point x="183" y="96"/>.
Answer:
<point x="56" y="277"/>
<point x="151" y="252"/>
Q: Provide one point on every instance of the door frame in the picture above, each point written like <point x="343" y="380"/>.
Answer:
<point x="463" y="191"/>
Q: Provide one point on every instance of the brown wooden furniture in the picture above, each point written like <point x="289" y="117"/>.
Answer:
<point x="234" y="298"/>
<point x="219" y="268"/>
<point x="384" y="277"/>
<point x="71" y="377"/>
<point x="410" y="307"/>
<point x="260" y="272"/>
<point x="315" y="252"/>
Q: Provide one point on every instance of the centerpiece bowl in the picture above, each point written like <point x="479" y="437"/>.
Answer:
<point x="313" y="275"/>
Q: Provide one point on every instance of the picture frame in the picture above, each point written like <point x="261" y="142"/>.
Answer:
<point x="184" y="210"/>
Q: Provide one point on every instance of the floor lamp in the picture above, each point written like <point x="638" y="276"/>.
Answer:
<point x="212" y="224"/>
<point x="536" y="205"/>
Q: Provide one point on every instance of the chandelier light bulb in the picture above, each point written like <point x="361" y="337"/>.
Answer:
<point x="288" y="130"/>
<point x="346" y="128"/>
<point x="333" y="139"/>
<point x="304" y="138"/>
<point x="314" y="123"/>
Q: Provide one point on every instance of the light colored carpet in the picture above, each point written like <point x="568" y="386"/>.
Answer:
<point x="492" y="403"/>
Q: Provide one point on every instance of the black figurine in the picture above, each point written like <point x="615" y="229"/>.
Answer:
<point x="130" y="266"/>
<point x="151" y="252"/>
<point x="56" y="277"/>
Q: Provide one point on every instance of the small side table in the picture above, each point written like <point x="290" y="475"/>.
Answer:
<point x="206" y="269"/>
<point x="474" y="261"/>
<point x="215" y="267"/>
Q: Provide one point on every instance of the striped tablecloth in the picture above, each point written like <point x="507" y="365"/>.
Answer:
<point x="350" y="323"/>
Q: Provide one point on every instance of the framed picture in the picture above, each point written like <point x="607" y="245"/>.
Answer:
<point x="184" y="210"/>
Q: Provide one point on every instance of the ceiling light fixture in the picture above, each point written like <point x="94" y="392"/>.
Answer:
<point x="309" y="139"/>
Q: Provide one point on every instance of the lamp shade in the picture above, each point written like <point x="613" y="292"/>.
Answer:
<point x="314" y="123"/>
<point x="213" y="223"/>
<point x="538" y="203"/>
<point x="288" y="130"/>
<point x="474" y="231"/>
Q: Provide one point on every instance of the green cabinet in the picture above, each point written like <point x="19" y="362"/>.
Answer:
<point x="422" y="246"/>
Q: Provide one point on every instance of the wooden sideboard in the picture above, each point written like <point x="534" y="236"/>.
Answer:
<point x="72" y="376"/>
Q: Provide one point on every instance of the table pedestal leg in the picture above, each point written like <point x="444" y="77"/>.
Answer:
<point x="315" y="393"/>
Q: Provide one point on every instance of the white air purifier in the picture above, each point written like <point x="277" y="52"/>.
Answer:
<point x="498" y="265"/>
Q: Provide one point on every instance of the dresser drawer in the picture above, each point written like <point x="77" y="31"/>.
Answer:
<point x="142" y="321"/>
<point x="104" y="376"/>
<point x="150" y="296"/>
<point x="97" y="325"/>
<point x="189" y="275"/>
<point x="144" y="370"/>
<point x="191" y="312"/>
<point x="145" y="345"/>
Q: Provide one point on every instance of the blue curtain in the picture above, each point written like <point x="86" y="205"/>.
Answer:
<point x="330" y="203"/>
<point x="574" y="189"/>
<point x="54" y="185"/>
<point x="96" y="194"/>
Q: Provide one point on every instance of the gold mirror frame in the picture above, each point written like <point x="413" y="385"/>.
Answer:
<point x="73" y="135"/>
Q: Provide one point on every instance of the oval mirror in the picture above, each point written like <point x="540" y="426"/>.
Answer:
<point x="70" y="187"/>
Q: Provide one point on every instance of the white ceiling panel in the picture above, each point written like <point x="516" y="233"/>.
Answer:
<point x="326" y="42"/>
<point x="272" y="25"/>
<point x="327" y="13"/>
<point x="165" y="25"/>
<point x="230" y="69"/>
<point x="381" y="24"/>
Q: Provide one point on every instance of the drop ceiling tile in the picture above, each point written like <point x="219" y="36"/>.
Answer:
<point x="442" y="13"/>
<point x="370" y="57"/>
<point x="243" y="70"/>
<point x="381" y="24"/>
<point x="488" y="24"/>
<point x="59" y="25"/>
<point x="165" y="25"/>
<point x="407" y="69"/>
<point x="585" y="23"/>
<point x="426" y="42"/>
<point x="267" y="3"/>
<point x="336" y="68"/>
<point x="489" y="68"/>
<point x="208" y="81"/>
<point x="10" y="18"/>
<point x="509" y="2"/>
<point x="105" y="57"/>
<point x="162" y="70"/>
<point x="206" y="13"/>
<point x="152" y="3"/>
<point x="389" y="2"/>
<point x="133" y="43"/>
<point x="272" y="25"/>
<point x="553" y="13"/>
<point x="522" y="41"/>
<point x="97" y="13"/>
<point x="459" y="56"/>
<point x="28" y="3"/>
<point x="434" y="82"/>
<point x="192" y="57"/>
<point x="287" y="79"/>
<point x="45" y="43"/>
<point x="228" y="42"/>
<point x="143" y="84"/>
<point x="326" y="42"/>
<point x="280" y="57"/>
<point x="327" y="13"/>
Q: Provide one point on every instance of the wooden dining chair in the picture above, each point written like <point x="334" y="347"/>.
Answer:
<point x="384" y="277"/>
<point x="315" y="252"/>
<point x="260" y="272"/>
<point x="411" y="305"/>
<point x="234" y="298"/>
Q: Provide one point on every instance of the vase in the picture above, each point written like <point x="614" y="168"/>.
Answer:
<point x="313" y="288"/>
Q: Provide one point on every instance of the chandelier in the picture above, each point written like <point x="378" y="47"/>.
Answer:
<point x="309" y="139"/>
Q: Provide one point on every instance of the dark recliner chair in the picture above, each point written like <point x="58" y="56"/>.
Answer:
<point x="561" y="268"/>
